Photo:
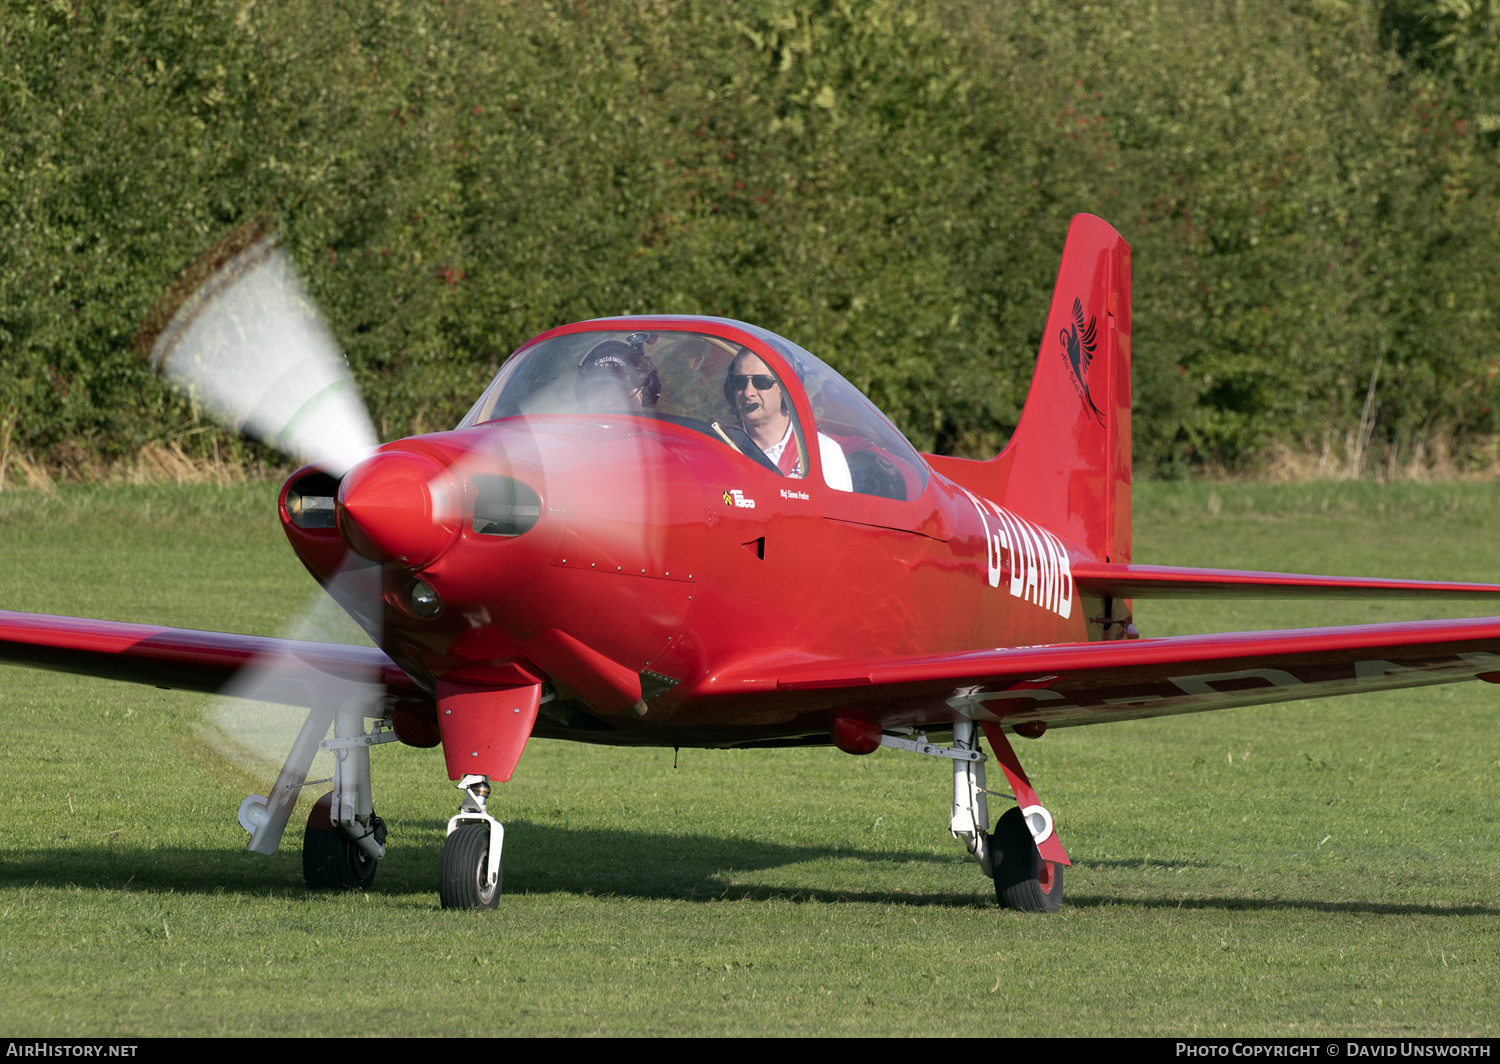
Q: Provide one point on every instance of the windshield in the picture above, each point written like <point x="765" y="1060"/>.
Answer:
<point x="714" y="386"/>
<point x="704" y="383"/>
<point x="880" y="461"/>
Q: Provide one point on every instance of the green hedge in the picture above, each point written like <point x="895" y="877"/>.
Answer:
<point x="1310" y="191"/>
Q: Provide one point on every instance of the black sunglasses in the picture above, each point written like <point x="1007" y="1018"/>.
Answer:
<point x="763" y="382"/>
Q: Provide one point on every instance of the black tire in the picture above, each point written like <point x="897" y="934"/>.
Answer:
<point x="1023" y="881"/>
<point x="465" y="867"/>
<point x="331" y="860"/>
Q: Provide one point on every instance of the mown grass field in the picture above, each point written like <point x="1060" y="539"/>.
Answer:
<point x="1318" y="868"/>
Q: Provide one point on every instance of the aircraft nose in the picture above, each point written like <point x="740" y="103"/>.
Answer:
<point x="399" y="506"/>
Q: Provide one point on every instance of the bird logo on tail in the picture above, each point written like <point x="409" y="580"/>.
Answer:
<point x="1079" y="346"/>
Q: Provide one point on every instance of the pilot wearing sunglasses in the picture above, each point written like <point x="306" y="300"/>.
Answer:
<point x="757" y="397"/>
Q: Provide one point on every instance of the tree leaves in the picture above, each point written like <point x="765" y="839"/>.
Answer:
<point x="886" y="183"/>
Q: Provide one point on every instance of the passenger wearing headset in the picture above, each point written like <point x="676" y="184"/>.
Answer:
<point x="617" y="375"/>
<point x="755" y="394"/>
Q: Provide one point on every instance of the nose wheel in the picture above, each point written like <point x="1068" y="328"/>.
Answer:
<point x="463" y="881"/>
<point x="469" y="876"/>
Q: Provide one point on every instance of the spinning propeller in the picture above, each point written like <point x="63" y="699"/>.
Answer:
<point x="239" y="335"/>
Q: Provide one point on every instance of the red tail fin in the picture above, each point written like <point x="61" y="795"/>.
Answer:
<point x="1068" y="465"/>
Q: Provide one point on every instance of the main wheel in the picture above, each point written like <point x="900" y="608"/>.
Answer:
<point x="465" y="869"/>
<point x="1023" y="880"/>
<point x="331" y="860"/>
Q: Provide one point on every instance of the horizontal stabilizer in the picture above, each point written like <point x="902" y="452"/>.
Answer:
<point x="1166" y="581"/>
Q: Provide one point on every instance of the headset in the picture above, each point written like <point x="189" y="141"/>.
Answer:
<point x="625" y="360"/>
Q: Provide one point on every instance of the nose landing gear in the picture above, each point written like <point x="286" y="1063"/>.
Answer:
<point x="469" y="876"/>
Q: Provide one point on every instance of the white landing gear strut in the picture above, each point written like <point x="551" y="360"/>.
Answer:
<point x="344" y="837"/>
<point x="970" y="818"/>
<point x="969" y="815"/>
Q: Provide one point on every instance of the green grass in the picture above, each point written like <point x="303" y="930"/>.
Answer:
<point x="1306" y="869"/>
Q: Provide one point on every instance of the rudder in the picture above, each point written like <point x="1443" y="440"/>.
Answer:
<point x="1067" y="467"/>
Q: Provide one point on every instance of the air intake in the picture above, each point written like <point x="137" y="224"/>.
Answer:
<point x="504" y="507"/>
<point x="309" y="502"/>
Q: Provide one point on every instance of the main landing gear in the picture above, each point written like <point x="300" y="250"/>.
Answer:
<point x="1022" y="855"/>
<point x="331" y="860"/>
<point x="344" y="840"/>
<point x="1024" y="880"/>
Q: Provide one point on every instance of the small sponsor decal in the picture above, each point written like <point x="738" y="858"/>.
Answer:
<point x="736" y="498"/>
<point x="785" y="494"/>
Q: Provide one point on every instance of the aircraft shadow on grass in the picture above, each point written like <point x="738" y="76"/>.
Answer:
<point x="553" y="859"/>
<point x="539" y="859"/>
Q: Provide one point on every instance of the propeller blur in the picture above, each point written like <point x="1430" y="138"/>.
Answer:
<point x="689" y="531"/>
<point x="240" y="335"/>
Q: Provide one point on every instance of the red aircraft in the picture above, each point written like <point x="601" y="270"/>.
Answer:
<point x="684" y="531"/>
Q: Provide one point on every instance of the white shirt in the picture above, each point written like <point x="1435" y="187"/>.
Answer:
<point x="835" y="465"/>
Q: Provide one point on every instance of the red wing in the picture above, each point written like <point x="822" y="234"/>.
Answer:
<point x="1087" y="683"/>
<point x="1169" y="581"/>
<point x="190" y="660"/>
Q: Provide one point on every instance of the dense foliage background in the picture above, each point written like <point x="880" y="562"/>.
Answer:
<point x="1310" y="189"/>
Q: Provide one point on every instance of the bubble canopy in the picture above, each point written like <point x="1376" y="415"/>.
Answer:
<point x="712" y="383"/>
